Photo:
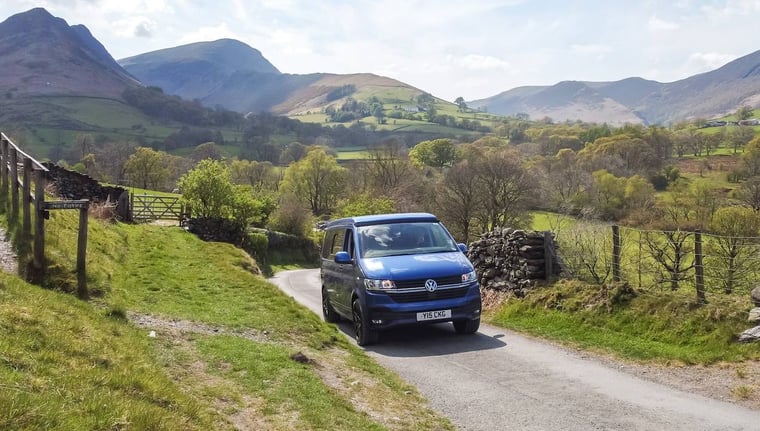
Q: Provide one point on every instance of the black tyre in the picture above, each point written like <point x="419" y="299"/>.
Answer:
<point x="328" y="312"/>
<point x="467" y="326"/>
<point x="364" y="335"/>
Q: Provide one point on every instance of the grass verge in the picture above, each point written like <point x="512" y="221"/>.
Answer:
<point x="655" y="326"/>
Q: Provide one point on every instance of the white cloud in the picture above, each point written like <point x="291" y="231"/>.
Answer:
<point x="207" y="34"/>
<point x="657" y="24"/>
<point x="705" y="61"/>
<point x="477" y="62"/>
<point x="590" y="48"/>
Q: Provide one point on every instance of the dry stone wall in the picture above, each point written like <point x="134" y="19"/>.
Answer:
<point x="512" y="259"/>
<point x="73" y="185"/>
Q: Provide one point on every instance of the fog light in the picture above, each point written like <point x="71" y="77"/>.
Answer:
<point x="377" y="322"/>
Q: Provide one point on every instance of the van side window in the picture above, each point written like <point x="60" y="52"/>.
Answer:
<point x="334" y="243"/>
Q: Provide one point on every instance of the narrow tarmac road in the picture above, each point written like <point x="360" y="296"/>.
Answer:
<point x="499" y="380"/>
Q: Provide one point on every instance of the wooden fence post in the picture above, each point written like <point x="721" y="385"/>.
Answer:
<point x="4" y="164"/>
<point x="615" y="253"/>
<point x="39" y="223"/>
<point x="82" y="254"/>
<point x="14" y="185"/>
<point x="26" y="199"/>
<point x="699" y="268"/>
<point x="548" y="254"/>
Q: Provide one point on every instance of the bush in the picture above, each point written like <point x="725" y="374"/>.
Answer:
<point x="257" y="244"/>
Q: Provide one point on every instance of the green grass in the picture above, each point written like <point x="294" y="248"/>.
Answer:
<point x="65" y="365"/>
<point x="222" y="351"/>
<point x="654" y="326"/>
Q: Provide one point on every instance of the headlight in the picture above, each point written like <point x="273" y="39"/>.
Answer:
<point x="379" y="284"/>
<point x="469" y="277"/>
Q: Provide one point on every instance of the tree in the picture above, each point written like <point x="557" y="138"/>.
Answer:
<point x="461" y="104"/>
<point x="207" y="189"/>
<point x="744" y="113"/>
<point x="739" y="136"/>
<point x="437" y="153"/>
<point x="749" y="193"/>
<point x="608" y="194"/>
<point x="733" y="252"/>
<point x="146" y="168"/>
<point x="458" y="199"/>
<point x="506" y="187"/>
<point x="294" y="152"/>
<point x="317" y="180"/>
<point x="112" y="158"/>
<point x="389" y="165"/>
<point x="751" y="157"/>
<point x="365" y="204"/>
<point x="207" y="150"/>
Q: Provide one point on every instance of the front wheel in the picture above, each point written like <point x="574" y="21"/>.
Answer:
<point x="467" y="326"/>
<point x="328" y="312"/>
<point x="364" y="335"/>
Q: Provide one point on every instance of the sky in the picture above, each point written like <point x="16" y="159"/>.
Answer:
<point x="450" y="48"/>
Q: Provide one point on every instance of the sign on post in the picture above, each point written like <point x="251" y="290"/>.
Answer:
<point x="81" y="204"/>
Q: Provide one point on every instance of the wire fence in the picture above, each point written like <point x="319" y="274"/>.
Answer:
<point x="674" y="260"/>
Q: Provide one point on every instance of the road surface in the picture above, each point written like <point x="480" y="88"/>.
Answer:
<point x="499" y="380"/>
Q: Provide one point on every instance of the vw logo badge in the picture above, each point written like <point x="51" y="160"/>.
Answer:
<point x="431" y="285"/>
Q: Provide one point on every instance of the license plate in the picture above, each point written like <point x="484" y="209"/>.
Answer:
<point x="434" y="315"/>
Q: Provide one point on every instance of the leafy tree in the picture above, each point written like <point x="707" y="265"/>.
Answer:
<point x="738" y="137"/>
<point x="146" y="168"/>
<point x="208" y="150"/>
<point x="207" y="189"/>
<point x="608" y="194"/>
<point x="317" y="180"/>
<point x="751" y="157"/>
<point x="744" y="113"/>
<point x="365" y="204"/>
<point x="294" y="152"/>
<point x="461" y="104"/>
<point x="437" y="153"/>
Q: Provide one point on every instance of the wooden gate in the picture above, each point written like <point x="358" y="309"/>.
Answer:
<point x="155" y="207"/>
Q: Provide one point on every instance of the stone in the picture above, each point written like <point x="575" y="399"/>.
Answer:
<point x="750" y="335"/>
<point x="754" y="315"/>
<point x="755" y="294"/>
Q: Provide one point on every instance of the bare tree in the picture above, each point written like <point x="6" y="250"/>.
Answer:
<point x="458" y="199"/>
<point x="506" y="186"/>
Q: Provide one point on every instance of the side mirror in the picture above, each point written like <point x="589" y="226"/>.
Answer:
<point x="462" y="247"/>
<point x="342" y="257"/>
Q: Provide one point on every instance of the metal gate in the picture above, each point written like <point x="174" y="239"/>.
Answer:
<point x="155" y="207"/>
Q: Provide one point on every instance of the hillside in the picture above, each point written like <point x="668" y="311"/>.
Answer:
<point x="42" y="55"/>
<point x="167" y="343"/>
<point x="234" y="75"/>
<point x="636" y="100"/>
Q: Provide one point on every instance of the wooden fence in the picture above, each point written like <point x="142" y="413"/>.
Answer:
<point x="704" y="262"/>
<point x="22" y="190"/>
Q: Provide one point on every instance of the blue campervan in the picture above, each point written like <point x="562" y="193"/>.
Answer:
<point x="382" y="271"/>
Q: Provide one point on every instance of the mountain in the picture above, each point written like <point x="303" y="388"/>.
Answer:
<point x="230" y="73"/>
<point x="42" y="55"/>
<point x="196" y="70"/>
<point x="636" y="100"/>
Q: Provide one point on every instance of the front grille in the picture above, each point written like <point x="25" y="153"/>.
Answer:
<point x="420" y="282"/>
<point x="424" y="295"/>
